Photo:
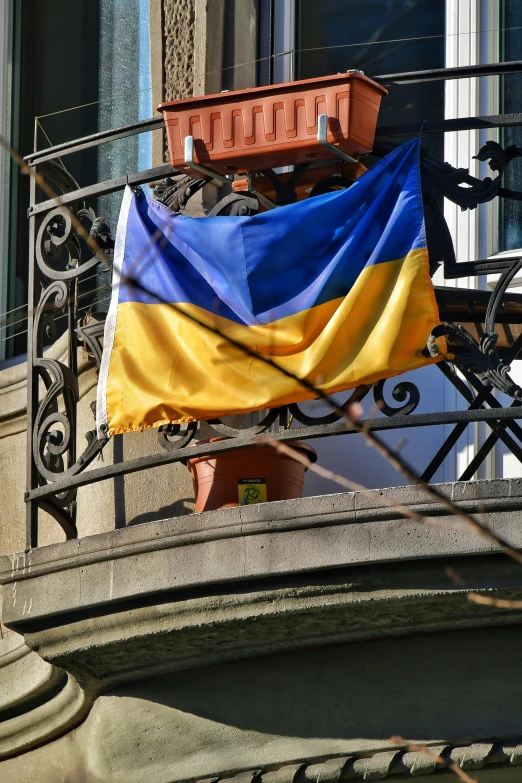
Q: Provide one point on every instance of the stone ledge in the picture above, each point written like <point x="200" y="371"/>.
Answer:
<point x="267" y="540"/>
<point x="322" y="510"/>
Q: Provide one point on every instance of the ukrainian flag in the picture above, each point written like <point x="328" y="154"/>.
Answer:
<point x="334" y="289"/>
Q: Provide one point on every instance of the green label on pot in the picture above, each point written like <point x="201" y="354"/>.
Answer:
<point x="251" y="490"/>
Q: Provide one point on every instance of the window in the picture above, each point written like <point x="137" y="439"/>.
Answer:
<point x="377" y="37"/>
<point x="4" y="158"/>
<point x="80" y="67"/>
<point x="510" y="228"/>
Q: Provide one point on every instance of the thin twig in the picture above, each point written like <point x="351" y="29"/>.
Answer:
<point x="440" y="760"/>
<point x="301" y="457"/>
<point x="500" y="603"/>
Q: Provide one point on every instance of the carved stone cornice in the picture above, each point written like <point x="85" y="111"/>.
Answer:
<point x="390" y="763"/>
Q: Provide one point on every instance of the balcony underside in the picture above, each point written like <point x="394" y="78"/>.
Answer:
<point x="294" y="582"/>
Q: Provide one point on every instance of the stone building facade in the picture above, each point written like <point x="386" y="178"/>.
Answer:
<point x="320" y="640"/>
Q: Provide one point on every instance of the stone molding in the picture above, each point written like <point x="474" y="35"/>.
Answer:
<point x="38" y="701"/>
<point x="25" y="679"/>
<point x="388" y="764"/>
<point x="115" y="648"/>
<point x="45" y="722"/>
<point x="312" y="534"/>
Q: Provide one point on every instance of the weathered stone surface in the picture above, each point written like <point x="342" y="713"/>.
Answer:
<point x="251" y="542"/>
<point x="45" y="721"/>
<point x="191" y="594"/>
<point x="24" y="677"/>
<point x="179" y="48"/>
<point x="331" y="709"/>
<point x="131" y="641"/>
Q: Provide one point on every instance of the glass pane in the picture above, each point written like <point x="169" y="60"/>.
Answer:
<point x="125" y="91"/>
<point x="377" y="37"/>
<point x="79" y="67"/>
<point x="510" y="234"/>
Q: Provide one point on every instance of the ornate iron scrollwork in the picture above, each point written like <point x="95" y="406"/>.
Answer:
<point x="443" y="179"/>
<point x="175" y="194"/>
<point x="176" y="436"/>
<point x="63" y="259"/>
<point x="480" y="358"/>
<point x="241" y="432"/>
<point x="447" y="181"/>
<point x="90" y="332"/>
<point x="58" y="253"/>
<point x="300" y="416"/>
<point x="241" y="203"/>
<point x="285" y="191"/>
<point x="405" y="392"/>
<point x="498" y="158"/>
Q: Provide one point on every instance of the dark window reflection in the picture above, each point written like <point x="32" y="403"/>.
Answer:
<point x="330" y="28"/>
<point x="511" y="100"/>
<point x="92" y="54"/>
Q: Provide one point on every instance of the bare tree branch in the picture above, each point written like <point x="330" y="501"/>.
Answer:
<point x="413" y="748"/>
<point x="500" y="603"/>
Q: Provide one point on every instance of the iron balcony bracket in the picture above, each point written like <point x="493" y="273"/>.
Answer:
<point x="262" y="199"/>
<point x="189" y="160"/>
<point x="322" y="138"/>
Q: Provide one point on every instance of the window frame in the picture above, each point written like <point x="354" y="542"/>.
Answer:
<point x="5" y="121"/>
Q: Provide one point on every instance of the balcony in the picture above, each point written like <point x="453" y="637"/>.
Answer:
<point x="265" y="602"/>
<point x="484" y="328"/>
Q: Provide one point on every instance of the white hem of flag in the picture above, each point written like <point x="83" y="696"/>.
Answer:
<point x="110" y="323"/>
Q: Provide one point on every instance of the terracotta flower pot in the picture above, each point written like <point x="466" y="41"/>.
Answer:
<point x="252" y="130"/>
<point x="252" y="475"/>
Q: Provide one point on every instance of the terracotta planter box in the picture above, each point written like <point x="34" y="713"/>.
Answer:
<point x="265" y="127"/>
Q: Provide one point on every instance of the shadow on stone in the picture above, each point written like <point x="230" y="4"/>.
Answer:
<point x="177" y="509"/>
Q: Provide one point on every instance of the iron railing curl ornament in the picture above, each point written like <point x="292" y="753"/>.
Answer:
<point x="176" y="436"/>
<point x="480" y="358"/>
<point x="59" y="257"/>
<point x="404" y="391"/>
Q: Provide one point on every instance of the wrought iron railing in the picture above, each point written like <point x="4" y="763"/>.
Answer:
<point x="484" y="330"/>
